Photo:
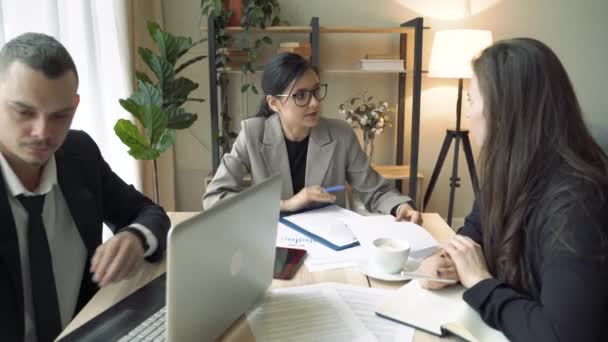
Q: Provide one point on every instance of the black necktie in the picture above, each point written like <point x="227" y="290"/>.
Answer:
<point x="44" y="293"/>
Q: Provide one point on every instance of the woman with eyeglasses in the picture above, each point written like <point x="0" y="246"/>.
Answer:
<point x="533" y="252"/>
<point x="290" y="137"/>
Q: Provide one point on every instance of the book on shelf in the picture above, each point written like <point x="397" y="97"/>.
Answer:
<point x="391" y="57"/>
<point x="294" y="44"/>
<point x="438" y="312"/>
<point x="301" y="50"/>
<point x="232" y="52"/>
<point x="382" y="65"/>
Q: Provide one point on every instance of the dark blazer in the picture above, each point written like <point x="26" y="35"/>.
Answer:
<point x="94" y="195"/>
<point x="568" y="272"/>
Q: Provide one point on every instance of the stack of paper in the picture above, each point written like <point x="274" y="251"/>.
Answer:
<point x="320" y="257"/>
<point x="324" y="312"/>
<point x="341" y="226"/>
<point x="369" y="228"/>
<point x="325" y="225"/>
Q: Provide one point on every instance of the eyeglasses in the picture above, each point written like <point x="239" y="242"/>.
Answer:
<point x="302" y="98"/>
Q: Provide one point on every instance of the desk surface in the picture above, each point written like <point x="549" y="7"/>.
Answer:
<point x="240" y="331"/>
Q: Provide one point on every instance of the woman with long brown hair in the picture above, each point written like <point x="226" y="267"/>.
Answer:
<point x="533" y="251"/>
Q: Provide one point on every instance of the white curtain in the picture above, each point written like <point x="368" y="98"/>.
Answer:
<point x="95" y="32"/>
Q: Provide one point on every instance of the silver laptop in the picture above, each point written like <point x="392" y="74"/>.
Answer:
<point x="219" y="264"/>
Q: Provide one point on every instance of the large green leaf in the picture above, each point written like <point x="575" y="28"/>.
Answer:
<point x="181" y="119"/>
<point x="129" y="134"/>
<point x="142" y="76"/>
<point x="154" y="121"/>
<point x="179" y="89"/>
<point x="132" y="107"/>
<point x="160" y="67"/>
<point x="170" y="47"/>
<point x="147" y="94"/>
<point x="145" y="153"/>
<point x="166" y="140"/>
<point x="188" y="63"/>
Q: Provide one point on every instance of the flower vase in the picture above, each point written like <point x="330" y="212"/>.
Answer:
<point x="368" y="142"/>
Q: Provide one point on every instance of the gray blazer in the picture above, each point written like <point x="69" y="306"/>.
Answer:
<point x="334" y="158"/>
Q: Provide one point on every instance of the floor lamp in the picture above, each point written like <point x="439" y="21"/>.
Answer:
<point x="451" y="57"/>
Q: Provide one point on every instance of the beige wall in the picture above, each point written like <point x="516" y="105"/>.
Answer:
<point x="574" y="29"/>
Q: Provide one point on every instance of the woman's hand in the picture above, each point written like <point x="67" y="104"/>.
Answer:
<point x="306" y="197"/>
<point x="405" y="212"/>
<point x="437" y="265"/>
<point x="468" y="259"/>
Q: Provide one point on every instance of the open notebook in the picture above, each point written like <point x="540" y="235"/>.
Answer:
<point x="437" y="312"/>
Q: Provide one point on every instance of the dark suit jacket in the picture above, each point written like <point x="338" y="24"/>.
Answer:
<point x="94" y="195"/>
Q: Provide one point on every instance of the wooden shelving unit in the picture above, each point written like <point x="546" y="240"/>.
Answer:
<point x="409" y="29"/>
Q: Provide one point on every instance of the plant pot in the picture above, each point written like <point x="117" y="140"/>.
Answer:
<point x="236" y="6"/>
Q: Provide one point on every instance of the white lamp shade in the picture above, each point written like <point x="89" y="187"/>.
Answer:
<point x="453" y="51"/>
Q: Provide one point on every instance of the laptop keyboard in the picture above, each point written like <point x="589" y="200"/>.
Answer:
<point x="152" y="329"/>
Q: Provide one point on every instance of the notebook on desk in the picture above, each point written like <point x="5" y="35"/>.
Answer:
<point x="325" y="225"/>
<point x="438" y="312"/>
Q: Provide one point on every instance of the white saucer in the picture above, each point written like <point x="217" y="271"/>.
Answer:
<point x="367" y="268"/>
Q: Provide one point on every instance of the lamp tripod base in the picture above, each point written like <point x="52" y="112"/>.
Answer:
<point x="453" y="135"/>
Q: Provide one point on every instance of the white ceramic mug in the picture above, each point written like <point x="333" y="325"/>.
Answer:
<point x="389" y="255"/>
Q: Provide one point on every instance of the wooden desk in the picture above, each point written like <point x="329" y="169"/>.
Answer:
<point x="240" y="331"/>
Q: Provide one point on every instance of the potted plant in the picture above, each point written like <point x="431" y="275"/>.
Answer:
<point x="157" y="103"/>
<point x="370" y="117"/>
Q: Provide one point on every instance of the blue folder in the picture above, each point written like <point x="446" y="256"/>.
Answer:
<point x="283" y="219"/>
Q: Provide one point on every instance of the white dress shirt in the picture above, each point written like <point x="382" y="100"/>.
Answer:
<point x="61" y="231"/>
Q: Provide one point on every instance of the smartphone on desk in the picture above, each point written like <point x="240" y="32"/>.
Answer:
<point x="287" y="261"/>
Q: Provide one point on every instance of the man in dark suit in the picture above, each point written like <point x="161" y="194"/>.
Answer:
<point x="56" y="191"/>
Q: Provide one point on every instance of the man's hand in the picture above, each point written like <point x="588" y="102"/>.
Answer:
<point x="118" y="258"/>
<point x="405" y="212"/>
<point x="306" y="197"/>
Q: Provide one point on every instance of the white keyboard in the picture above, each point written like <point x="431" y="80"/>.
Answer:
<point x="152" y="329"/>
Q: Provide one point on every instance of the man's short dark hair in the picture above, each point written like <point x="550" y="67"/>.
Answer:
<point x="40" y="52"/>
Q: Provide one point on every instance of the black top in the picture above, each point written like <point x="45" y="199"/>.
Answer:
<point x="296" y="152"/>
<point x="569" y="296"/>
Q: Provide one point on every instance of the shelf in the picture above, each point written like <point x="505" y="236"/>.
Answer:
<point x="371" y="30"/>
<point x="322" y="29"/>
<point x="271" y="29"/>
<point x="395" y="172"/>
<point x="360" y="71"/>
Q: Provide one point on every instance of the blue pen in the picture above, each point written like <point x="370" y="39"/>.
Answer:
<point x="335" y="188"/>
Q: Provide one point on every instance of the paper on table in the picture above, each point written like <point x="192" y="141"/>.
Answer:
<point x="368" y="228"/>
<point x="305" y="314"/>
<point x="363" y="301"/>
<point x="320" y="257"/>
<point x="287" y="237"/>
<point x="326" y="223"/>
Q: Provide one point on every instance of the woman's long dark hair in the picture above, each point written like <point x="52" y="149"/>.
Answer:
<point x="535" y="130"/>
<point x="279" y="73"/>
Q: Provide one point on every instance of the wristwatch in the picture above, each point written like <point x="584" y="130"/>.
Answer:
<point x="140" y="235"/>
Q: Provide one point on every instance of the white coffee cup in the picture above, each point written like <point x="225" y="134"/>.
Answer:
<point x="389" y="255"/>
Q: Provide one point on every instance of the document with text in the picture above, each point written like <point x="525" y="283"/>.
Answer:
<point x="305" y="314"/>
<point x="363" y="301"/>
